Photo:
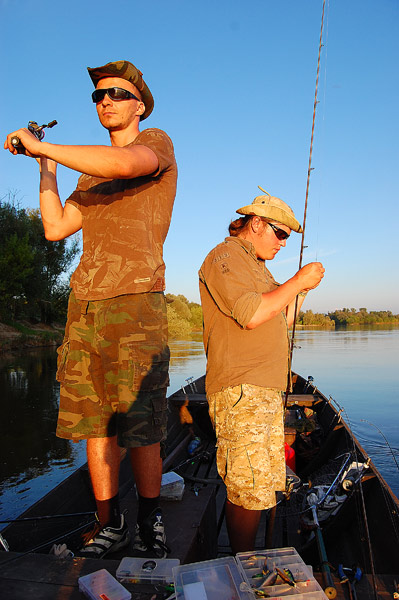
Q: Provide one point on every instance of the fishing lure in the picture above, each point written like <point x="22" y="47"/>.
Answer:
<point x="286" y="576"/>
<point x="270" y="579"/>
<point x="260" y="593"/>
<point x="265" y="568"/>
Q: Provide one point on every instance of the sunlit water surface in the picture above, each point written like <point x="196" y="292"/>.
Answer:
<point x="356" y="367"/>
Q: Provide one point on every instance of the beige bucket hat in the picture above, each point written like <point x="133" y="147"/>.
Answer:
<point x="272" y="209"/>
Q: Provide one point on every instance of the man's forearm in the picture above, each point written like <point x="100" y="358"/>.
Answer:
<point x="307" y="278"/>
<point x="272" y="303"/>
<point x="56" y="226"/>
<point x="110" y="162"/>
<point x="50" y="203"/>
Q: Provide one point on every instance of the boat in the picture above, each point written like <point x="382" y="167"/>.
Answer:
<point x="337" y="511"/>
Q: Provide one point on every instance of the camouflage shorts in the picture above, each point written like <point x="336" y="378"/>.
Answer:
<point x="113" y="370"/>
<point x="248" y="422"/>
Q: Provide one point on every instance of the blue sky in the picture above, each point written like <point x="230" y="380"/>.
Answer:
<point x="234" y="87"/>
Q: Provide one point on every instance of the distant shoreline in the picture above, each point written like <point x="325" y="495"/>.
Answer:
<point x="22" y="335"/>
<point x="344" y="326"/>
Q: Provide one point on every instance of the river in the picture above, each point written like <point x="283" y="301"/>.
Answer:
<point x="356" y="367"/>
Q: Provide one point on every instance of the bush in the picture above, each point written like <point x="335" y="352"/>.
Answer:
<point x="183" y="316"/>
<point x="178" y="327"/>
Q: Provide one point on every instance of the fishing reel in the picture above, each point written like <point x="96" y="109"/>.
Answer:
<point x="37" y="131"/>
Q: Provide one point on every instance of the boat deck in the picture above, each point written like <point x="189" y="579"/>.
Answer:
<point x="191" y="533"/>
<point x="45" y="577"/>
<point x="195" y="531"/>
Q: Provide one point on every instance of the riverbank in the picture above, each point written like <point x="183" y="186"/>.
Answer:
<point x="18" y="335"/>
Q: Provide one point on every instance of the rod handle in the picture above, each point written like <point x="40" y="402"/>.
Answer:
<point x="16" y="142"/>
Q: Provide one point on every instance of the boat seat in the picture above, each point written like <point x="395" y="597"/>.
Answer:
<point x="302" y="399"/>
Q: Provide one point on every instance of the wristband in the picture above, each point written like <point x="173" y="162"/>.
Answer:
<point x="303" y="294"/>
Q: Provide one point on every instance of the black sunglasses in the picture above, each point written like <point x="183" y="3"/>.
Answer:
<point x="115" y="93"/>
<point x="279" y="233"/>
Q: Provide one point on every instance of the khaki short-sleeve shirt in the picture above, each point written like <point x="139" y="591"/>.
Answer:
<point x="124" y="226"/>
<point x="232" y="281"/>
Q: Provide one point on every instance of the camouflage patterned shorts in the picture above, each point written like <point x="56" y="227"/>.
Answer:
<point x="113" y="370"/>
<point x="248" y="422"/>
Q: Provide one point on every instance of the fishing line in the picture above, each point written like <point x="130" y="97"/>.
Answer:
<point x="47" y="543"/>
<point x="385" y="492"/>
<point x="320" y="193"/>
<point x="364" y="513"/>
<point x="43" y="517"/>
<point x="307" y="188"/>
<point x="310" y="169"/>
<point x="386" y="441"/>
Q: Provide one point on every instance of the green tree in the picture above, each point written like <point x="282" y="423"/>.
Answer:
<point x="362" y="317"/>
<point x="178" y="327"/>
<point x="183" y="316"/>
<point x="52" y="261"/>
<point x="16" y="267"/>
<point x="196" y="315"/>
<point x="309" y="318"/>
<point x="32" y="269"/>
<point x="181" y="309"/>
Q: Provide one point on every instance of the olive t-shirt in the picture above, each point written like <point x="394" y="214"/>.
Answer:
<point x="124" y="226"/>
<point x="232" y="281"/>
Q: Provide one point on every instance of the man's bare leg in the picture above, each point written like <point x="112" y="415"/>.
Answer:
<point x="242" y="525"/>
<point x="147" y="469"/>
<point x="150" y="533"/>
<point x="103" y="458"/>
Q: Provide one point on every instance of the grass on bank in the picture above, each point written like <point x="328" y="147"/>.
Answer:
<point x="25" y="336"/>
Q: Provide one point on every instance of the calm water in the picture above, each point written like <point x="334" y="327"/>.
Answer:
<point x="356" y="367"/>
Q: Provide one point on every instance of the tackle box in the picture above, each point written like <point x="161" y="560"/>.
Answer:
<point x="302" y="585"/>
<point x="102" y="585"/>
<point x="219" y="579"/>
<point x="243" y="577"/>
<point x="146" y="570"/>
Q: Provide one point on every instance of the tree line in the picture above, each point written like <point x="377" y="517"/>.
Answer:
<point x="33" y="271"/>
<point x="351" y="316"/>
<point x="345" y="317"/>
<point x="34" y="281"/>
<point x="184" y="317"/>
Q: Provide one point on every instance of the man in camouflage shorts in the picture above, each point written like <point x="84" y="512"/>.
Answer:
<point x="113" y="363"/>
<point x="246" y="319"/>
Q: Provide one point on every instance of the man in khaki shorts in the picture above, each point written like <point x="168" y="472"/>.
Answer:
<point x="113" y="364"/>
<point x="246" y="319"/>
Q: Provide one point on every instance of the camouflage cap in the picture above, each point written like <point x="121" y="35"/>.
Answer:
<point x="273" y="209"/>
<point x="125" y="70"/>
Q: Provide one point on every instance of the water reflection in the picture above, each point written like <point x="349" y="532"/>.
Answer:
<point x="357" y="367"/>
<point x="30" y="402"/>
<point x="33" y="459"/>
<point x="187" y="359"/>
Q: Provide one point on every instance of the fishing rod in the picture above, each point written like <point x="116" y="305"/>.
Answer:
<point x="44" y="544"/>
<point x="365" y="518"/>
<point x="386" y="441"/>
<point x="44" y="517"/>
<point x="307" y="186"/>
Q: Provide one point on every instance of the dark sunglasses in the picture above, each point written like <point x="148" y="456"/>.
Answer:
<point x="279" y="233"/>
<point x="115" y="93"/>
